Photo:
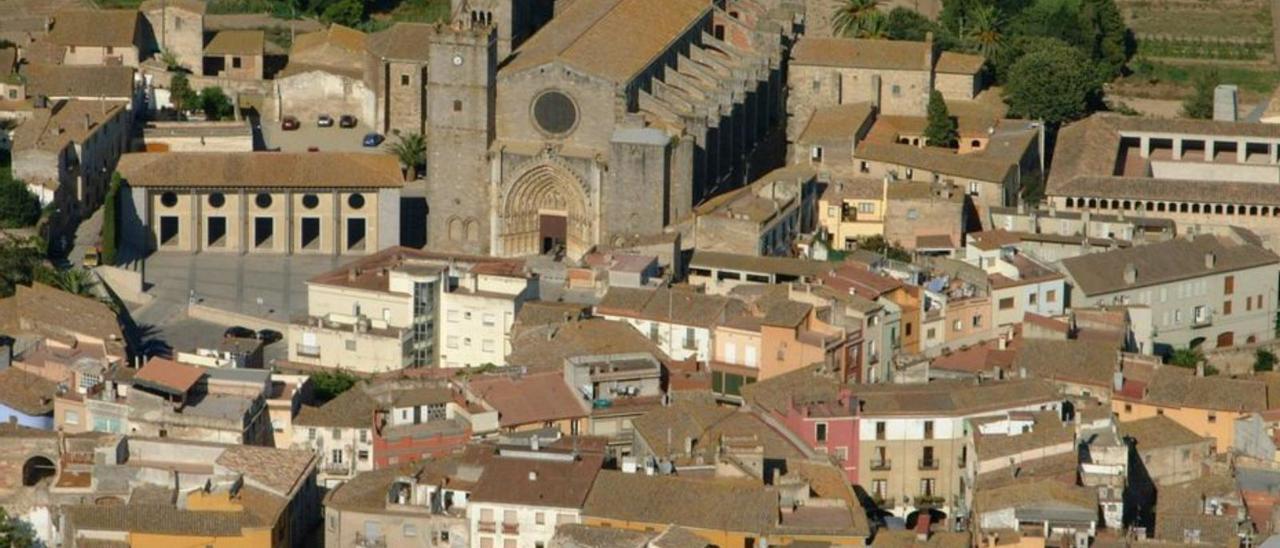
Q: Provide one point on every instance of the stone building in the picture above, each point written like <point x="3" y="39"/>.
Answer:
<point x="920" y="214"/>
<point x="178" y="28"/>
<point x="235" y="54"/>
<point x="318" y="203"/>
<point x="591" y="142"/>
<point x="515" y="20"/>
<point x="1193" y="172"/>
<point x="764" y="218"/>
<point x="325" y="75"/>
<point x="99" y="37"/>
<point x="396" y="72"/>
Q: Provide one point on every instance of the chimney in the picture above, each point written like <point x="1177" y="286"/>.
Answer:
<point x="1130" y="274"/>
<point x="1117" y="381"/>
<point x="1210" y="260"/>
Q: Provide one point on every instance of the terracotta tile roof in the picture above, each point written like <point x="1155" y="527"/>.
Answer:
<point x="168" y="375"/>
<point x="853" y="188"/>
<point x="351" y="409"/>
<point x="80" y="27"/>
<point x="575" y="535"/>
<point x="851" y="53"/>
<point x="776" y="394"/>
<point x="155" y="519"/>
<point x="72" y="81"/>
<point x="857" y="279"/>
<point x="707" y="424"/>
<point x="536" y="482"/>
<point x="336" y="36"/>
<point x="261" y="170"/>
<point x="403" y="41"/>
<point x="547" y="350"/>
<point x="1035" y="493"/>
<point x="1047" y="431"/>
<point x="1087" y="362"/>
<point x="280" y="471"/>
<point x="1158" y="432"/>
<point x="237" y="42"/>
<point x="886" y="538"/>
<point x="52" y="129"/>
<point x="774" y="265"/>
<point x="946" y="162"/>
<point x="720" y="506"/>
<point x="836" y="123"/>
<point x="988" y="240"/>
<point x="50" y="312"/>
<point x="944" y="398"/>
<point x="27" y="393"/>
<point x="959" y="63"/>
<point x="367" y="272"/>
<point x="421" y="396"/>
<point x="1213" y="392"/>
<point x="1163" y="262"/>
<point x="510" y="397"/>
<point x="586" y="34"/>
<point x="1062" y="468"/>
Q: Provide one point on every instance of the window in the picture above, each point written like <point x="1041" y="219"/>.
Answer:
<point x="880" y="430"/>
<point x="1226" y="307"/>
<point x="351" y="345"/>
<point x="1128" y="408"/>
<point x="452" y="342"/>
<point x="457" y="106"/>
<point x="842" y="454"/>
<point x="539" y="518"/>
<point x="958" y="325"/>
<point x="364" y="436"/>
<point x="311" y="433"/>
<point x="1228" y="285"/>
<point x="235" y="62"/>
<point x="866" y="207"/>
<point x="404" y="79"/>
<point x="335" y="456"/>
<point x="363" y="454"/>
<point x="690" y="340"/>
<point x="1052" y="296"/>
<point x="931" y="333"/>
<point x="1213" y="418"/>
<point x="487" y="345"/>
<point x="927" y="486"/>
<point x="973" y="189"/>
<point x="912" y="214"/>
<point x="489" y="319"/>
<point x="879" y="488"/>
<point x="815" y="154"/>
<point x="1033" y="298"/>
<point x="897" y="90"/>
<point x="977" y="321"/>
<point x="71" y="417"/>
<point x="653" y="331"/>
<point x="454" y="316"/>
<point x="820" y="432"/>
<point x="436" y="412"/>
<point x="111" y="50"/>
<point x="336" y="433"/>
<point x="1006" y="303"/>
<point x="509" y="516"/>
<point x="928" y="430"/>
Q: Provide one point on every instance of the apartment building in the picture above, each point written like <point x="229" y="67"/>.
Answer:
<point x="1204" y="291"/>
<point x="525" y="492"/>
<point x="851" y="209"/>
<point x="1208" y="406"/>
<point x="1020" y="284"/>
<point x="763" y="218"/>
<point x="912" y="437"/>
<point x="812" y="404"/>
<point x="679" y="321"/>
<point x="404" y="308"/>
<point x="98" y="37"/>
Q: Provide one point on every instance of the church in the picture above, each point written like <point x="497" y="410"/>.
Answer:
<point x="613" y="120"/>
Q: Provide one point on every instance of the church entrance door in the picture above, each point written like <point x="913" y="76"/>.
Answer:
<point x="553" y="230"/>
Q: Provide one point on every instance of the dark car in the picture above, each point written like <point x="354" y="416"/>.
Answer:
<point x="347" y="121"/>
<point x="289" y="123"/>
<point x="239" y="332"/>
<point x="372" y="139"/>
<point x="268" y="336"/>
<point x="324" y="120"/>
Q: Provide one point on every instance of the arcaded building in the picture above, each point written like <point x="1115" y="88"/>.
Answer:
<point x="318" y="203"/>
<point x="613" y="120"/>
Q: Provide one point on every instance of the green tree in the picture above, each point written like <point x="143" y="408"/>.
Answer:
<point x="1264" y="360"/>
<point x="1200" y="103"/>
<point x="18" y="206"/>
<point x="1111" y="43"/>
<point x="941" y="130"/>
<point x="184" y="98"/>
<point x="20" y="259"/>
<point x="1055" y="84"/>
<point x="411" y="150"/>
<point x="215" y="104"/>
<point x="984" y="31"/>
<point x="15" y="532"/>
<point x="344" y="12"/>
<point x="1186" y="357"/>
<point x="874" y="27"/>
<point x="111" y="222"/>
<point x="327" y="385"/>
<point x="878" y="244"/>
<point x="906" y="24"/>
<point x="852" y="17"/>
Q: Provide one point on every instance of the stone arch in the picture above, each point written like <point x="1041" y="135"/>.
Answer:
<point x="1071" y="202"/>
<point x="455" y="229"/>
<point x="37" y="468"/>
<point x="544" y="191"/>
<point x="471" y="229"/>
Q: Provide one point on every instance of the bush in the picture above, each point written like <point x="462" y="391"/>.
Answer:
<point x="1186" y="357"/>
<point x="110" y="222"/>
<point x="215" y="104"/>
<point x="1264" y="360"/>
<point x="18" y="206"/>
<point x="327" y="385"/>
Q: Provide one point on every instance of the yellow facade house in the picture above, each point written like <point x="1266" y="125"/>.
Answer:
<point x="1208" y="406"/>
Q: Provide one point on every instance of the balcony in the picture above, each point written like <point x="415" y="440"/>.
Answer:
<point x="1202" y="318"/>
<point x="882" y="464"/>
<point x="308" y="350"/>
<point x="929" y="501"/>
<point x="336" y="468"/>
<point x="929" y="464"/>
<point x="486" y="527"/>
<point x="365" y="541"/>
<point x="510" y="529"/>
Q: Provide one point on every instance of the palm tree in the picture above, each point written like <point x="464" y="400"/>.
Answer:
<point x="852" y="17"/>
<point x="874" y="27"/>
<point x="983" y="32"/>
<point x="76" y="281"/>
<point x="411" y="150"/>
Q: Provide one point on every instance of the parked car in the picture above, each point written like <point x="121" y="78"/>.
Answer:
<point x="372" y="139"/>
<point x="324" y="121"/>
<point x="347" y="121"/>
<point x="289" y="123"/>
<point x="92" y="257"/>
<point x="268" y="336"/>
<point x="239" y="332"/>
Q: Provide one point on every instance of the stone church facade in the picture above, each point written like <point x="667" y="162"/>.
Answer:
<point x="614" y="120"/>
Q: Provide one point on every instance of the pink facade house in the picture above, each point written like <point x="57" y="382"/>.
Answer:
<point x="828" y="425"/>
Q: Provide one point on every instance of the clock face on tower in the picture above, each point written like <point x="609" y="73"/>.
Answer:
<point x="457" y="60"/>
<point x="555" y="113"/>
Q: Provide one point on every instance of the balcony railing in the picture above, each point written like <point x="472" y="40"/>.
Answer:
<point x="510" y="529"/>
<point x="1202" y="320"/>
<point x="928" y="464"/>
<point x="365" y="541"/>
<point x="883" y="464"/>
<point x="309" y="350"/>
<point x="336" y="468"/>
<point x="486" y="527"/>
